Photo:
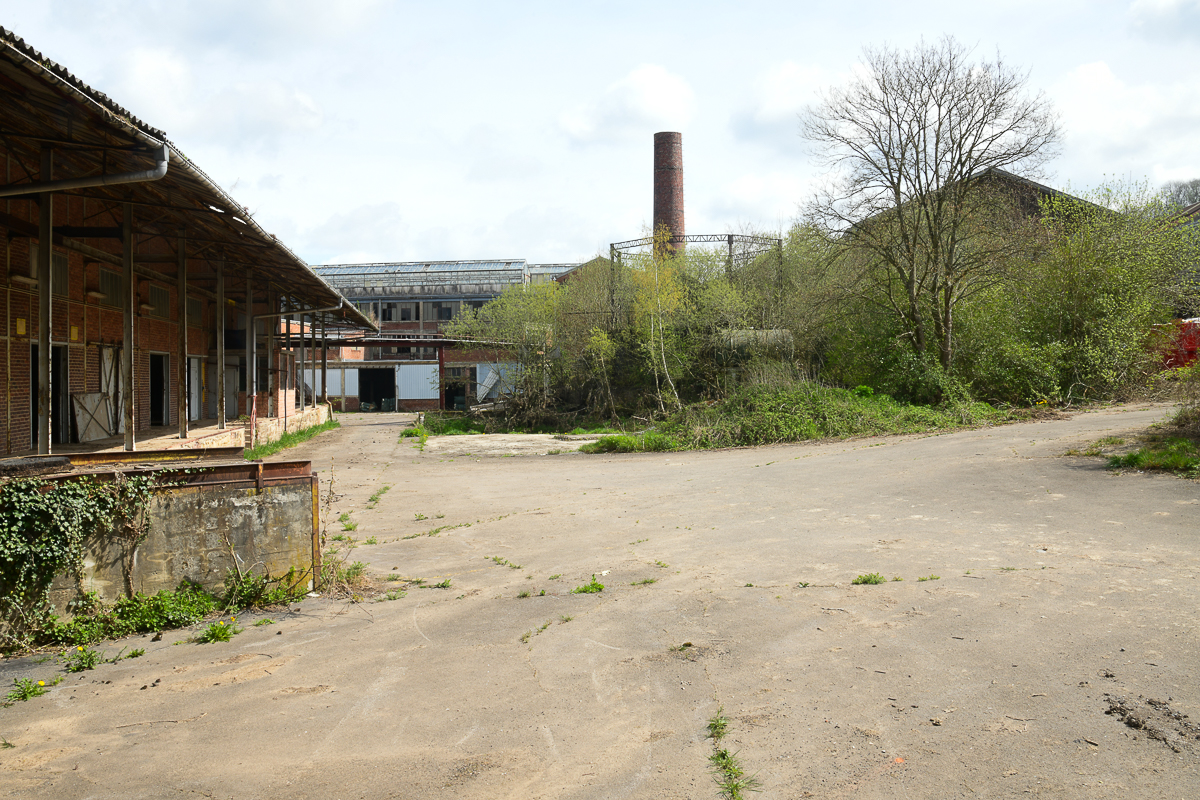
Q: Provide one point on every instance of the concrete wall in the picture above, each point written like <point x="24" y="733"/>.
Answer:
<point x="273" y="428"/>
<point x="271" y="530"/>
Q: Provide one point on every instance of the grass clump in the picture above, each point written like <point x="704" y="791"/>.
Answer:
<point x="289" y="439"/>
<point x="758" y="415"/>
<point x="647" y="442"/>
<point x="929" y="578"/>
<point x="1177" y="454"/>
<point x="26" y="689"/>
<point x="80" y="659"/>
<point x="589" y="588"/>
<point x="870" y="579"/>
<point x="219" y="632"/>
<point x="374" y="499"/>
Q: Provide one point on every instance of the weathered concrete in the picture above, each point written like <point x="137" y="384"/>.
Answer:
<point x="1060" y="584"/>
<point x="272" y="429"/>
<point x="197" y="532"/>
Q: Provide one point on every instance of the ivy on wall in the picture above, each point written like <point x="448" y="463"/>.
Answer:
<point x="44" y="530"/>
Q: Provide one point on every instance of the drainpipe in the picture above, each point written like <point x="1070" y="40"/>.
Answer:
<point x="162" y="157"/>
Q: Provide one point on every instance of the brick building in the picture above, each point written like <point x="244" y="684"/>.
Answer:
<point x="136" y="291"/>
<point x="410" y="365"/>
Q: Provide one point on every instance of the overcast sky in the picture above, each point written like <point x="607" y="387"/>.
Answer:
<point x="363" y="130"/>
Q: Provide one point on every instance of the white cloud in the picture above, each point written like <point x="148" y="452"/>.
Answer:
<point x="780" y="94"/>
<point x="1123" y="128"/>
<point x="1166" y="19"/>
<point x="646" y="100"/>
<point x="166" y="90"/>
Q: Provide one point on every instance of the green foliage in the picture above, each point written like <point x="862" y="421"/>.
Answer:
<point x="251" y="590"/>
<point x="648" y="442"/>
<point x="44" y="527"/>
<point x="1176" y="454"/>
<point x="440" y="585"/>
<point x="870" y="579"/>
<point x="138" y="614"/>
<point x="80" y="659"/>
<point x="374" y="499"/>
<point x="718" y="725"/>
<point x="289" y="439"/>
<point x="219" y="632"/>
<point x="592" y="587"/>
<point x="760" y="415"/>
<point x="24" y="689"/>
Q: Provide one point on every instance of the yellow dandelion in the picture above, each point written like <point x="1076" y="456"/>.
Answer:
<point x="222" y="622"/>
<point x="41" y="683"/>
<point x="79" y="648"/>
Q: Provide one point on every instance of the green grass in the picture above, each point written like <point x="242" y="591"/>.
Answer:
<point x="80" y="659"/>
<point x="289" y="439"/>
<point x="443" y="585"/>
<point x="648" y="442"/>
<point x="645" y="582"/>
<point x="219" y="632"/>
<point x="870" y="579"/>
<point x="589" y="588"/>
<point x="379" y="493"/>
<point x="930" y="578"/>
<point x="759" y="415"/>
<point x="1176" y="454"/>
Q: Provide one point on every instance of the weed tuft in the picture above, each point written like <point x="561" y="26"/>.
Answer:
<point x="589" y="588"/>
<point x="219" y="632"/>
<point x="870" y="579"/>
<point x="80" y="659"/>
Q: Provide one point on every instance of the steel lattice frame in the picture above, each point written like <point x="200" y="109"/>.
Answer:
<point x="742" y="248"/>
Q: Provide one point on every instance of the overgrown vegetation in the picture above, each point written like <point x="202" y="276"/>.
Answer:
<point x="591" y="587"/>
<point x="44" y="528"/>
<point x="1177" y="454"/>
<point x="946" y="283"/>
<point x="726" y="767"/>
<point x="289" y="439"/>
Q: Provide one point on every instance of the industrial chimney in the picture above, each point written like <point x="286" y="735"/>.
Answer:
<point x="668" y="186"/>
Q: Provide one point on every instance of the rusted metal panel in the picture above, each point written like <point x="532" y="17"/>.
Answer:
<point x="144" y="456"/>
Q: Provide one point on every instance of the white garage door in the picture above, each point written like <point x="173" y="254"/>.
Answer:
<point x="417" y="381"/>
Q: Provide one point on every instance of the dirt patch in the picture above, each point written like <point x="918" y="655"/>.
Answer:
<point x="1157" y="720"/>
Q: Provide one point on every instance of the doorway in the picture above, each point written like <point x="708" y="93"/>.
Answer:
<point x="377" y="389"/>
<point x="160" y="392"/>
<point x="60" y="408"/>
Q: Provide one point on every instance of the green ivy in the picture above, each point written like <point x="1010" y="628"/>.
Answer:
<point x="44" y="529"/>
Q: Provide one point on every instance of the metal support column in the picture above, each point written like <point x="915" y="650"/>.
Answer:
<point x="221" y="345"/>
<point x="272" y="381"/>
<point x="251" y="367"/>
<point x="181" y="374"/>
<point x="324" y="365"/>
<point x="312" y="348"/>
<point x="127" y="344"/>
<point x="45" y="299"/>
<point x="300" y="382"/>
<point x="291" y="366"/>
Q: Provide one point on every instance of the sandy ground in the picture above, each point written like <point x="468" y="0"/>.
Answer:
<point x="1063" y="592"/>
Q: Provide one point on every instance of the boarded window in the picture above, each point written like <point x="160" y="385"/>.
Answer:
<point x="112" y="285"/>
<point x="59" y="272"/>
<point x="160" y="302"/>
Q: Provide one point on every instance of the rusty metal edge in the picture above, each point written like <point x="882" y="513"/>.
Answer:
<point x="140" y="456"/>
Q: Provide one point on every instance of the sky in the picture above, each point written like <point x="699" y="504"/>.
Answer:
<point x="365" y="130"/>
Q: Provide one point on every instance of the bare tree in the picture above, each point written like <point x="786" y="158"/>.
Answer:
<point x="920" y="146"/>
<point x="1181" y="194"/>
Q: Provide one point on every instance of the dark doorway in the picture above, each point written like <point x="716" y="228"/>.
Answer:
<point x="456" y="396"/>
<point x="375" y="386"/>
<point x="159" y="396"/>
<point x="60" y="408"/>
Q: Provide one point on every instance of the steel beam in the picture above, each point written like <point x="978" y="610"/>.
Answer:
<point x="221" y="345"/>
<point x="45" y="301"/>
<point x="181" y="373"/>
<point x="127" y="348"/>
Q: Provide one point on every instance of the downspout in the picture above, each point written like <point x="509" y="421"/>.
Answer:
<point x="162" y="158"/>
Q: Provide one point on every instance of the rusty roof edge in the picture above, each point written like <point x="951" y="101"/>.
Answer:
<point x="155" y="137"/>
